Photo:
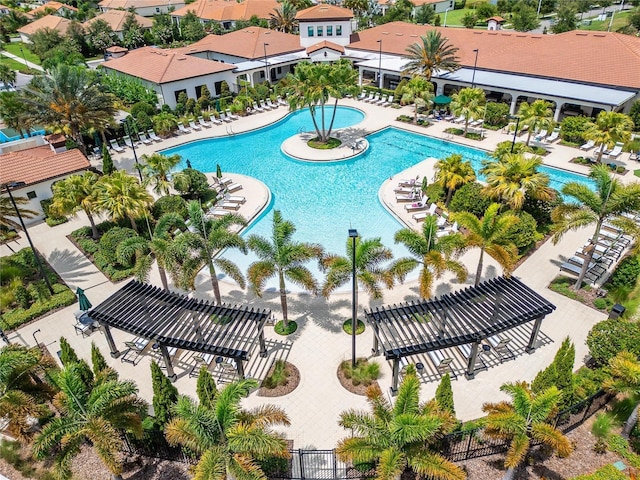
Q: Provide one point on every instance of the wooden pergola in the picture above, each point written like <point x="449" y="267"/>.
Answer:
<point x="466" y="317"/>
<point x="173" y="320"/>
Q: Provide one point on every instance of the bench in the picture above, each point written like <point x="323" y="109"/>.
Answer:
<point x="442" y="363"/>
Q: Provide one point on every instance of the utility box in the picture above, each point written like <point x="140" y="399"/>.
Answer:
<point x="616" y="311"/>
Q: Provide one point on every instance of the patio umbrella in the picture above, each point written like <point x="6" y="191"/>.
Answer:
<point x="84" y="302"/>
<point x="442" y="100"/>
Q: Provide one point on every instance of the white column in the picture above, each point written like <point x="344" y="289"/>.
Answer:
<point x="556" y="114"/>
<point x="360" y="76"/>
<point x="514" y="104"/>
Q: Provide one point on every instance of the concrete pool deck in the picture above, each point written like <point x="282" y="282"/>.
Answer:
<point x="319" y="345"/>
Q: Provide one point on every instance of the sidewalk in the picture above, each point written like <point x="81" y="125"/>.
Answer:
<point x="22" y="60"/>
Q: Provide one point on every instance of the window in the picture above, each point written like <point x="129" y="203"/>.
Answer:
<point x="310" y="31"/>
<point x="339" y="30"/>
<point x="279" y="70"/>
<point x="157" y="10"/>
<point x="329" y="31"/>
<point x="319" y="31"/>
<point x="31" y="195"/>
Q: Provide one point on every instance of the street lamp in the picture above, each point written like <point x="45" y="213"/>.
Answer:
<point x="23" y="57"/>
<point x="353" y="234"/>
<point x="380" y="65"/>
<point x="475" y="64"/>
<point x="9" y="186"/>
<point x="133" y="147"/>
<point x="445" y="16"/>
<point x="515" y="132"/>
<point x="266" y="65"/>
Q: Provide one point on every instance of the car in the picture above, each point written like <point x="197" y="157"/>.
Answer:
<point x="7" y="87"/>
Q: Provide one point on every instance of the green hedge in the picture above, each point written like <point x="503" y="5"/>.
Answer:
<point x="62" y="297"/>
<point x="608" y="472"/>
<point x="626" y="275"/>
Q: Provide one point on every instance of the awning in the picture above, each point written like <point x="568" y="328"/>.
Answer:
<point x="442" y="100"/>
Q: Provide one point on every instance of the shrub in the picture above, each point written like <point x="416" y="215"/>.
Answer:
<point x="626" y="274"/>
<point x="165" y="395"/>
<point x="68" y="355"/>
<point x="279" y="376"/>
<point x="97" y="359"/>
<point x="364" y="373"/>
<point x="634" y="113"/>
<point x="572" y="129"/>
<point x="167" y="204"/>
<point x="444" y="395"/>
<point x="206" y="387"/>
<point x="559" y="373"/>
<point x="62" y="297"/>
<point x="469" y="198"/>
<point x="608" y="472"/>
<point x="523" y="233"/>
<point x="611" y="336"/>
<point x="497" y="114"/>
<point x="23" y="297"/>
<point x="110" y="241"/>
<point x="587" y="382"/>
<point x="541" y="210"/>
<point x="600" y="303"/>
<point x="191" y="183"/>
<point x="142" y="107"/>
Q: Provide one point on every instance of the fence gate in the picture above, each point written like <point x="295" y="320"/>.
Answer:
<point x="316" y="465"/>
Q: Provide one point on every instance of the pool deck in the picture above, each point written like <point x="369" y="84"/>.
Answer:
<point x="319" y="344"/>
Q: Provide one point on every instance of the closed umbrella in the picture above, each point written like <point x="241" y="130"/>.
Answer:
<point x="84" y="302"/>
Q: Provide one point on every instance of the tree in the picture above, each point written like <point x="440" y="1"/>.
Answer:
<point x="75" y="193"/>
<point x="208" y="237"/>
<point x="634" y="112"/>
<point x="100" y="35"/>
<point x="468" y="103"/>
<point x="191" y="27"/>
<point x="107" y="161"/>
<point x="44" y="40"/>
<point x="96" y="414"/>
<point x="206" y="387"/>
<point x="281" y="256"/>
<point x="487" y="234"/>
<point x="610" y="201"/>
<point x="14" y="112"/>
<point x="165" y="396"/>
<point x="156" y="170"/>
<point x="162" y="29"/>
<point x="312" y="84"/>
<point x="609" y="129"/>
<point x="418" y="91"/>
<point x="625" y="378"/>
<point x="121" y="196"/>
<point x="191" y="183"/>
<point x="164" y="123"/>
<point x="436" y="255"/>
<point x="453" y="172"/>
<point x="504" y="148"/>
<point x="132" y="34"/>
<point x="559" y="373"/>
<point x="566" y="19"/>
<point x="425" y="14"/>
<point x="527" y="417"/>
<point x="433" y="54"/>
<point x="7" y="74"/>
<point x="524" y="17"/>
<point x="359" y="7"/>
<point x="97" y="360"/>
<point x="228" y="438"/>
<point x="283" y="18"/>
<point x="536" y="115"/>
<point x="469" y="20"/>
<point x="7" y="212"/>
<point x="398" y="436"/>
<point x="444" y="395"/>
<point x="68" y="355"/>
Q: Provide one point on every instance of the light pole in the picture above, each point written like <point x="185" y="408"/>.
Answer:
<point x="515" y="132"/>
<point x="445" y="16"/>
<point x="539" y="6"/>
<point x="9" y="186"/>
<point x="353" y="234"/>
<point x="23" y="57"/>
<point x="475" y="64"/>
<point x="133" y="147"/>
<point x="266" y="65"/>
<point x="380" y="64"/>
<point x="613" y="12"/>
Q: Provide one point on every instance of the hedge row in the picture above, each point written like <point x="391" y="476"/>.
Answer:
<point x="62" y="297"/>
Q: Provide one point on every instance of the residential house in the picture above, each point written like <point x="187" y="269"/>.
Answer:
<point x="144" y="8"/>
<point x="49" y="21"/>
<point x="116" y="20"/>
<point x="227" y="12"/>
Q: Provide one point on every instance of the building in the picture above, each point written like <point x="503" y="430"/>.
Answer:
<point x="325" y="22"/>
<point x="227" y="12"/>
<point x="54" y="8"/>
<point x="53" y="22"/>
<point x="439" y="6"/>
<point x="495" y="23"/>
<point x="144" y="8"/>
<point x="116" y="20"/>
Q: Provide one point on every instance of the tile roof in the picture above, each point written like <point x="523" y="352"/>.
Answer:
<point x="116" y="19"/>
<point x="229" y="10"/>
<point x="116" y="49"/>
<point x="35" y="165"/>
<point x="325" y="44"/>
<point x="126" y="4"/>
<point x="163" y="66"/>
<point x="247" y="43"/>
<point x="324" y="12"/>
<point x="55" y="6"/>
<point x="590" y="57"/>
<point x="48" y="21"/>
<point x="419" y="3"/>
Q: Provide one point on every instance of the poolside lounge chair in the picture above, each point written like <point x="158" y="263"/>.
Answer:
<point x="388" y="102"/>
<point x="500" y="346"/>
<point x="465" y="350"/>
<point x="476" y="123"/>
<point x="228" y="205"/>
<point x="409" y="182"/>
<point x="408" y="197"/>
<point x="418" y="217"/>
<point x="153" y="136"/>
<point x="575" y="270"/>
<point x="204" y="123"/>
<point x="442" y="221"/>
<point x="183" y="129"/>
<point x="272" y="105"/>
<point x="115" y="146"/>
<point x="369" y="98"/>
<point x="257" y="107"/>
<point x="588" y="146"/>
<point x="540" y="136"/>
<point x="232" y="116"/>
<point x="224" y="180"/>
<point x="224" y="118"/>
<point x="555" y="135"/>
<point x="235" y="199"/>
<point x="615" y="153"/>
<point x="143" y="138"/>
<point x="362" y="95"/>
<point x="135" y="348"/>
<point x="264" y="105"/>
<point x="193" y="125"/>
<point x="234" y="187"/>
<point x="442" y="363"/>
<point x="282" y="101"/>
<point x="421" y="205"/>
<point x="215" y="120"/>
<point x="405" y="190"/>
<point x="383" y="99"/>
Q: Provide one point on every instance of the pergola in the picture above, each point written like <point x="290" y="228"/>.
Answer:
<point x="468" y="316"/>
<point x="173" y="320"/>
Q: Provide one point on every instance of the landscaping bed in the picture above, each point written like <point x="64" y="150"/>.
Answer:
<point x="282" y="379"/>
<point x="620" y="170"/>
<point x="460" y="133"/>
<point x="422" y="122"/>
<point x="358" y="380"/>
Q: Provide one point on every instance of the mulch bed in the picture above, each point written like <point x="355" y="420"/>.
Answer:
<point x="290" y="386"/>
<point x="349" y="386"/>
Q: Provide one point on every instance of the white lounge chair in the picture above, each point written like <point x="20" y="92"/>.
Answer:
<point x="228" y="205"/>
<point x="272" y="105"/>
<point x="143" y="138"/>
<point x="409" y="197"/>
<point x="257" y="107"/>
<point x="460" y="119"/>
<point x="225" y="180"/>
<point x="416" y="206"/>
<point x="282" y="101"/>
<point x="388" y="102"/>
<point x="183" y="129"/>
<point x="615" y="153"/>
<point x="264" y="105"/>
<point x="234" y="187"/>
<point x="362" y="95"/>
<point x="420" y="216"/>
<point x="408" y="182"/>
<point x="555" y="135"/>
<point x="235" y="199"/>
<point x="540" y="136"/>
<point x="217" y="212"/>
<point x="588" y="146"/>
<point x="193" y="125"/>
<point x="204" y="123"/>
<point x="231" y="115"/>
<point x="404" y="190"/>
<point x="215" y="120"/>
<point x="500" y="346"/>
<point x="383" y="99"/>
<point x="153" y="136"/>
<point x="369" y="98"/>
<point x="115" y="146"/>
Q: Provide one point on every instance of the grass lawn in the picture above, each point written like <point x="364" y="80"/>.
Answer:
<point x="619" y="20"/>
<point x="454" y="17"/>
<point x="636" y="173"/>
<point x="15" y="65"/>
<point x="15" y="49"/>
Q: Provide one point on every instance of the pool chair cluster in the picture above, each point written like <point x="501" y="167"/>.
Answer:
<point x="376" y="99"/>
<point x="265" y="105"/>
<point x="225" y="201"/>
<point x="127" y="142"/>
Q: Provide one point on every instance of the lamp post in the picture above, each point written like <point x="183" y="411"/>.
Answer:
<point x="9" y="186"/>
<point x="133" y="147"/>
<point x="23" y="57"/>
<point x="380" y="64"/>
<point x="353" y="234"/>
<point x="445" y="16"/>
<point x="266" y="65"/>
<point x="515" y="132"/>
<point x="539" y="6"/>
<point x="475" y="64"/>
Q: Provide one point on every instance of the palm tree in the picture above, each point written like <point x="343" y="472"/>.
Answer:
<point x="514" y="178"/>
<point x="7" y="74"/>
<point x="435" y="254"/>
<point x="453" y="172"/>
<point x="609" y="202"/>
<point x="207" y="238"/>
<point x="625" y="378"/>
<point x="313" y="83"/>
<point x="488" y="234"/>
<point x="536" y="115"/>
<point x="76" y="193"/>
<point x="468" y="103"/>
<point x="504" y="148"/>
<point x="228" y="438"/>
<point x="7" y="211"/>
<point x="433" y="54"/>
<point x="21" y="393"/>
<point x="283" y="257"/>
<point x="122" y="196"/>
<point x="284" y="18"/>
<point x="71" y="99"/>
<point x="398" y="436"/>
<point x="156" y="170"/>
<point x="609" y="129"/>
<point x="161" y="247"/>
<point x="526" y="417"/>
<point x="97" y="414"/>
<point x="419" y="92"/>
<point x="14" y="112"/>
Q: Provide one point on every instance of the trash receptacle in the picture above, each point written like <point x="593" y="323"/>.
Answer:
<point x="616" y="311"/>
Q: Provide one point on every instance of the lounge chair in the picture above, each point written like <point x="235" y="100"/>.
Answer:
<point x="224" y="180"/>
<point x="615" y="153"/>
<point x="409" y="182"/>
<point x="476" y="123"/>
<point x="369" y="98"/>
<point x="135" y="349"/>
<point x="588" y="146"/>
<point x="143" y="138"/>
<point x="193" y="125"/>
<point x="264" y="105"/>
<point x="500" y="346"/>
<point x="409" y="197"/>
<point x="224" y="118"/>
<point x="257" y="107"/>
<point x="235" y="199"/>
<point x="231" y="115"/>
<point x="217" y="212"/>
<point x="199" y="361"/>
<point x="420" y="216"/>
<point x="115" y="146"/>
<point x="460" y="119"/>
<point x="416" y="206"/>
<point x="540" y="136"/>
<point x="555" y="135"/>
<point x="442" y="221"/>
<point x="442" y="363"/>
<point x="404" y="190"/>
<point x="272" y="105"/>
<point x="575" y="270"/>
<point x="153" y="136"/>
<point x="383" y="99"/>
<point x="204" y="123"/>
<point x="388" y="102"/>
<point x="228" y="205"/>
<point x="234" y="187"/>
<point x="183" y="129"/>
<point x="215" y="120"/>
<point x="282" y="101"/>
<point x="465" y="349"/>
<point x="361" y="96"/>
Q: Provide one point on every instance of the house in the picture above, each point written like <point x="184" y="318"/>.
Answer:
<point x="115" y="51"/>
<point x="49" y="21"/>
<point x="54" y="8"/>
<point x="226" y="12"/>
<point x="325" y="21"/>
<point x="495" y="23"/>
<point x="116" y="20"/>
<point x="144" y="8"/>
<point x="4" y="10"/>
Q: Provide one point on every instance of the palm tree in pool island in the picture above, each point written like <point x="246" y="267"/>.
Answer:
<point x="418" y="91"/>
<point x="281" y="256"/>
<point x="453" y="172"/>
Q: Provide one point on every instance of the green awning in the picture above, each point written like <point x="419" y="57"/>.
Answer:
<point x="442" y="100"/>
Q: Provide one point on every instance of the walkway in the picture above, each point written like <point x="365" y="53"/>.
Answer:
<point x="18" y="58"/>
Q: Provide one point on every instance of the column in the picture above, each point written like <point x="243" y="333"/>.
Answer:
<point x="471" y="361"/>
<point x="239" y="367"/>
<point x="112" y="345"/>
<point x="394" y="381"/>
<point x="514" y="104"/>
<point x="531" y="347"/>
<point x="263" y="346"/>
<point x="167" y="363"/>
<point x="556" y="114"/>
<point x="376" y="343"/>
<point x="360" y="76"/>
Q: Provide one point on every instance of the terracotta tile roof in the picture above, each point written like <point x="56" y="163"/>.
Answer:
<point x="53" y="6"/>
<point x="163" y="66"/>
<point x="116" y="19"/>
<point x="325" y="44"/>
<point x="324" y="12"/>
<point x="496" y="18"/>
<point x="35" y="165"/>
<point x="126" y="4"/>
<point x="55" y="139"/>
<point x="48" y="21"/>
<point x="591" y="57"/>
<point x="246" y="43"/>
<point x="228" y="10"/>
<point x="116" y="49"/>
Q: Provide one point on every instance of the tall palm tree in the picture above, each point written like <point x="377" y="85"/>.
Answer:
<point x="97" y="413"/>
<point x="453" y="172"/>
<point x="283" y="257"/>
<point x="435" y="254"/>
<point x="536" y="115"/>
<point x="504" y="148"/>
<point x="207" y="237"/>
<point x="432" y="55"/>
<point x="468" y="103"/>
<point x="283" y="18"/>
<point x="7" y="211"/>
<point x="156" y="169"/>
<point x="161" y="247"/>
<point x="419" y="92"/>
<point x="228" y="438"/>
<point x="398" y="436"/>
<point x="71" y="99"/>
<point x="527" y="417"/>
<point x="76" y="193"/>
<point x="488" y="234"/>
<point x="608" y="129"/>
<point x="122" y="196"/>
<point x="625" y="378"/>
<point x="514" y="178"/>
<point x="14" y="112"/>
<point x="610" y="200"/>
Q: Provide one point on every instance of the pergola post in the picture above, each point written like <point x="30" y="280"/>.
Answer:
<point x="115" y="353"/>
<point x="396" y="370"/>
<point x="263" y="345"/>
<point x="471" y="362"/>
<point x="531" y="347"/>
<point x="239" y="367"/>
<point x="167" y="363"/>
<point x="376" y="344"/>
